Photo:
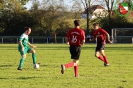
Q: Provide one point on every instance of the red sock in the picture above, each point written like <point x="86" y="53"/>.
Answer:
<point x="71" y="64"/>
<point x="76" y="71"/>
<point x="101" y="58"/>
<point x="105" y="59"/>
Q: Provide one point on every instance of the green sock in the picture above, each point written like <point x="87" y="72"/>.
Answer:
<point x="34" y="58"/>
<point x="21" y="63"/>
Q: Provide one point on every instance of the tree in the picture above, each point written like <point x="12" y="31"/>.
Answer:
<point x="76" y="9"/>
<point x="87" y="4"/>
<point x="9" y="15"/>
<point x="55" y="14"/>
<point x="109" y="4"/>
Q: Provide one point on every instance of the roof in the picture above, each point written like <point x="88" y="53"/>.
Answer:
<point x="93" y="8"/>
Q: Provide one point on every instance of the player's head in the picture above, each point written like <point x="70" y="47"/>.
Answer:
<point x="77" y="22"/>
<point x="96" y="25"/>
<point x="27" y="30"/>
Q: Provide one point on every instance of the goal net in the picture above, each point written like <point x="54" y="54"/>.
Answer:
<point x="122" y="35"/>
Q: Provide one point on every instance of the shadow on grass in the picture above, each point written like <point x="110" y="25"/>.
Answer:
<point x="21" y="78"/>
<point x="44" y="65"/>
<point x="3" y="78"/>
<point x="26" y="78"/>
<point x="5" y="65"/>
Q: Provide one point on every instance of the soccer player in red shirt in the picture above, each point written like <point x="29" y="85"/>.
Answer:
<point x="75" y="38"/>
<point x="100" y="34"/>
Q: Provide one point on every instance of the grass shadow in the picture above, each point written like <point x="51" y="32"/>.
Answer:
<point x="44" y="65"/>
<point x="5" y="65"/>
<point x="26" y="78"/>
<point x="3" y="78"/>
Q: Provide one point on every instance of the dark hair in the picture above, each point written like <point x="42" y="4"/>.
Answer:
<point x="77" y="22"/>
<point x="96" y="24"/>
<point x="26" y="28"/>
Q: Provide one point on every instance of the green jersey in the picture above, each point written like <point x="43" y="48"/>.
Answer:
<point x="24" y="39"/>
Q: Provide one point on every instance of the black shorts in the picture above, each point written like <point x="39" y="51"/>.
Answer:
<point x="75" y="51"/>
<point x="100" y="46"/>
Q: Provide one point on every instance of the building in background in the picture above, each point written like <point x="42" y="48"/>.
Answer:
<point x="95" y="11"/>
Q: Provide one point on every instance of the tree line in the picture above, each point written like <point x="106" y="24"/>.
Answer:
<point x="49" y="17"/>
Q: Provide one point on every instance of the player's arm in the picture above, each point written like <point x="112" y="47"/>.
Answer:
<point x="67" y="38"/>
<point x="67" y="41"/>
<point x="31" y="45"/>
<point x="93" y="37"/>
<point x="20" y="43"/>
<point x="108" y="38"/>
<point x="83" y="41"/>
<point x="83" y="38"/>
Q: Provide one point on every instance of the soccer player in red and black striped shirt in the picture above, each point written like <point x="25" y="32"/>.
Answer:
<point x="100" y="34"/>
<point x="75" y="38"/>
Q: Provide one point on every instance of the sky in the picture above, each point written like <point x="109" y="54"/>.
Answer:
<point x="28" y="5"/>
<point x="66" y="2"/>
<point x="69" y="3"/>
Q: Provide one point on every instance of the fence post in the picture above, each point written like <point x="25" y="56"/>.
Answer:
<point x="47" y="40"/>
<point x="2" y="39"/>
<point x="32" y="40"/>
<point x="132" y="40"/>
<point x="63" y="40"/>
<point x="17" y="40"/>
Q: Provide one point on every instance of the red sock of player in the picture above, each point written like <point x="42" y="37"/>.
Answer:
<point x="101" y="58"/>
<point x="71" y="64"/>
<point x="105" y="59"/>
<point x="76" y="71"/>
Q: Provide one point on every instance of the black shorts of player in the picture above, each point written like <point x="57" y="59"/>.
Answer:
<point x="100" y="46"/>
<point x="75" y="51"/>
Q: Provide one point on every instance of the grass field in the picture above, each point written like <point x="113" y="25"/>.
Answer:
<point x="91" y="70"/>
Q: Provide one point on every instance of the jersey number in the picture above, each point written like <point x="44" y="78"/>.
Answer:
<point x="74" y="39"/>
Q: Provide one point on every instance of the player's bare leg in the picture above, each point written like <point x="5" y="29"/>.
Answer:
<point x="34" y="56"/>
<point x="63" y="67"/>
<point x="98" y="56"/>
<point x="105" y="58"/>
<point x="71" y="64"/>
<point x="21" y="62"/>
<point x="76" y="62"/>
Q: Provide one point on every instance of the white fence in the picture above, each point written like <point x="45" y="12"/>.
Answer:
<point x="36" y="39"/>
<point x="123" y="39"/>
<point x="43" y="39"/>
<point x="122" y="35"/>
<point x="32" y="39"/>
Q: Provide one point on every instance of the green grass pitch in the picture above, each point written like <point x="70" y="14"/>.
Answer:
<point x="91" y="70"/>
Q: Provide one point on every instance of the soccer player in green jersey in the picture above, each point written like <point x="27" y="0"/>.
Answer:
<point x="25" y="47"/>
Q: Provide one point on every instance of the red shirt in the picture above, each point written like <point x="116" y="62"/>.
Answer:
<point x="100" y="34"/>
<point x="75" y="36"/>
